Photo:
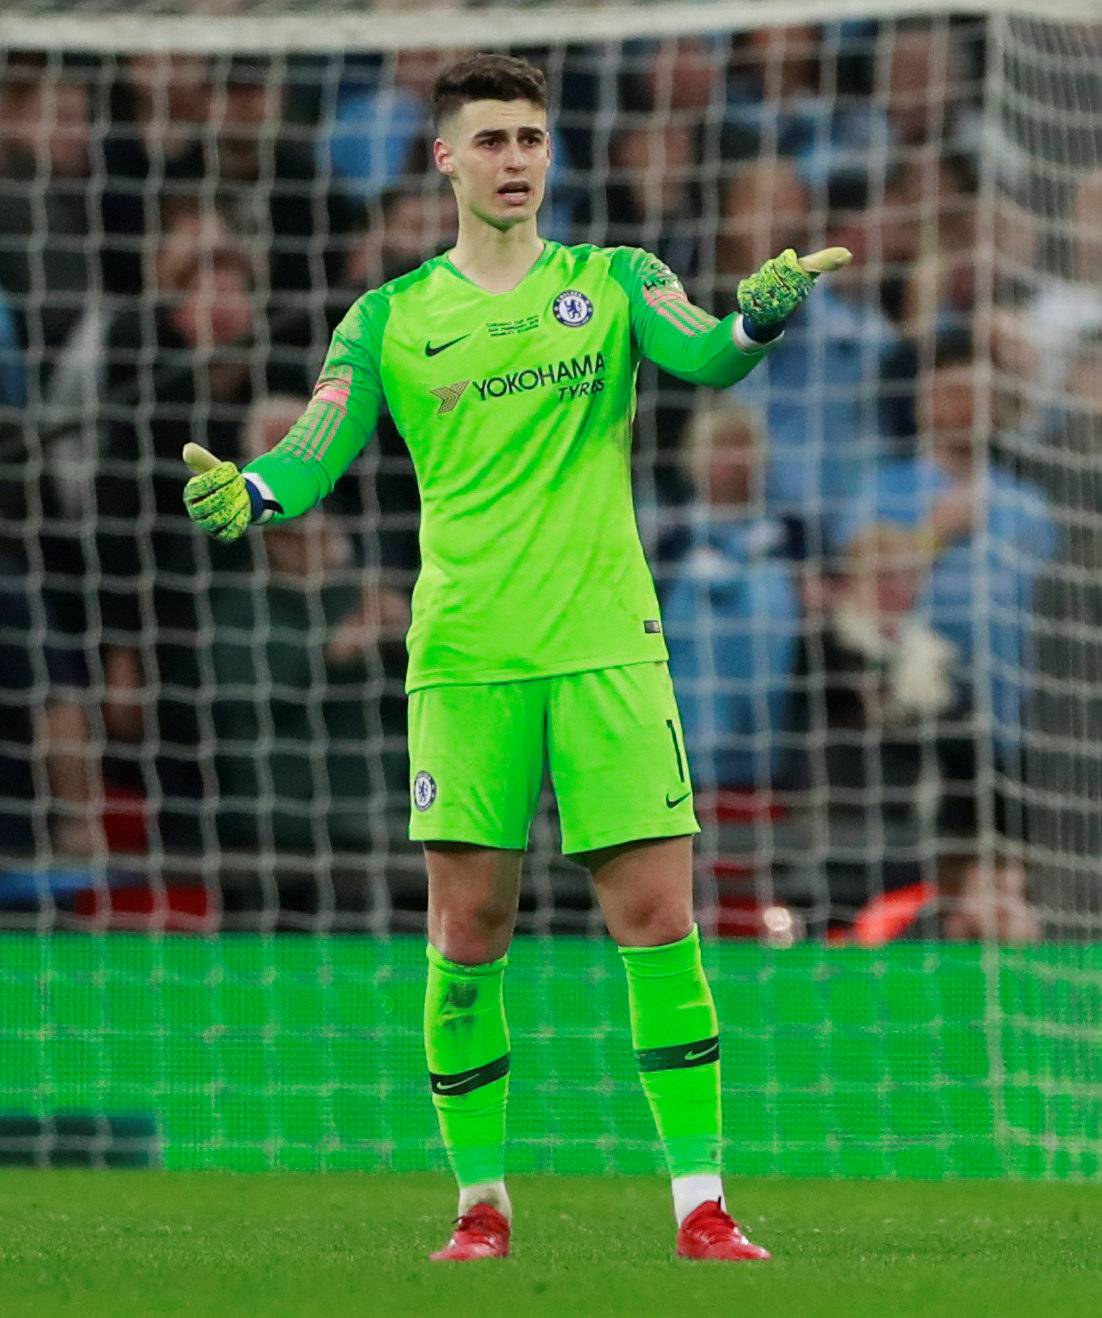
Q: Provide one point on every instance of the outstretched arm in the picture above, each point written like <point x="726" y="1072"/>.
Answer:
<point x="323" y="443"/>
<point x="692" y="344"/>
<point x="308" y="461"/>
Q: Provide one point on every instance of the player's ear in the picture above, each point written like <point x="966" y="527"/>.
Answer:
<point x="442" y="155"/>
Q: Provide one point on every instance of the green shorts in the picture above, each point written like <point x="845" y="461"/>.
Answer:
<point x="610" y="737"/>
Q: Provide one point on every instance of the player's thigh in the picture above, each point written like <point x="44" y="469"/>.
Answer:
<point x="617" y="757"/>
<point x="645" y="889"/>
<point x="476" y="755"/>
<point x="473" y="895"/>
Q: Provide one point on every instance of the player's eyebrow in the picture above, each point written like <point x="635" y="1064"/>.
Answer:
<point x="496" y="134"/>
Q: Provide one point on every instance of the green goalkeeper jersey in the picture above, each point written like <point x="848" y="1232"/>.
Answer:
<point x="517" y="411"/>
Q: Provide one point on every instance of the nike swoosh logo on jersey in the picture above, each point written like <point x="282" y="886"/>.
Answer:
<point x="670" y="804"/>
<point x="432" y="349"/>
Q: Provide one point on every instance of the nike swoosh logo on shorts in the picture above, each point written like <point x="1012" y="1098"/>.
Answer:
<point x="670" y="804"/>
<point x="432" y="349"/>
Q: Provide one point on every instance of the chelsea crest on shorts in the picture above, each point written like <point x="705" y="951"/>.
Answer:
<point x="424" y="790"/>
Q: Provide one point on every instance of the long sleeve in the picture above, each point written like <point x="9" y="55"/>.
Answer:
<point x="673" y="333"/>
<point x="339" y="420"/>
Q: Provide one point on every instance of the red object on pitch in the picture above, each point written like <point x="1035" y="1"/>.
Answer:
<point x="483" y="1233"/>
<point x="891" y="914"/>
<point x="708" y="1233"/>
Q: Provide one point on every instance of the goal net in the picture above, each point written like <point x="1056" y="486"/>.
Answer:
<point x="878" y="560"/>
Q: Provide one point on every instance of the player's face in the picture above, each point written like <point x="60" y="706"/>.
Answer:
<point x="496" y="154"/>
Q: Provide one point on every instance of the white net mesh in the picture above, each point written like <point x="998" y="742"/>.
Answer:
<point x="1045" y="348"/>
<point x="890" y="739"/>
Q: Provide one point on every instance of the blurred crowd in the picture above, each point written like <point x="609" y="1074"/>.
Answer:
<point x="852" y="547"/>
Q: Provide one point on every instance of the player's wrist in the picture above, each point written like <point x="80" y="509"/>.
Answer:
<point x="263" y="505"/>
<point x="751" y="337"/>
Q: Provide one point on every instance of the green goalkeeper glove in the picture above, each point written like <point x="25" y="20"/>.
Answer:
<point x="768" y="298"/>
<point x="217" y="497"/>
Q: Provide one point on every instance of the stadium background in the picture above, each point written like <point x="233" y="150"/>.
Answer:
<point x="210" y="954"/>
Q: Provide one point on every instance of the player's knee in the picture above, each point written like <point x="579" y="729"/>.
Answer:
<point x="650" y="922"/>
<point x="475" y="933"/>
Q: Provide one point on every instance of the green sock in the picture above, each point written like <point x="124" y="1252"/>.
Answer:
<point x="673" y="1028"/>
<point x="467" y="1048"/>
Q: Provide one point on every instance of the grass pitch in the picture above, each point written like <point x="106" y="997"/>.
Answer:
<point x="124" y="1243"/>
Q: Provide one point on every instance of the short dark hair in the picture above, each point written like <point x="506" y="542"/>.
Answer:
<point x="487" y="78"/>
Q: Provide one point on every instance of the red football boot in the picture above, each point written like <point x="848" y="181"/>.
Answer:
<point x="481" y="1233"/>
<point x="708" y="1233"/>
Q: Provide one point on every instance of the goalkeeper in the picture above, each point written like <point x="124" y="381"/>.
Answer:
<point x="509" y="367"/>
